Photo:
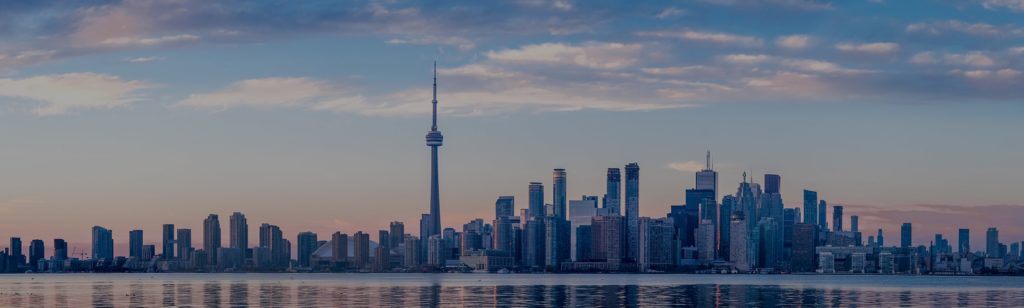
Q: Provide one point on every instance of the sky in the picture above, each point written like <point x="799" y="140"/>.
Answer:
<point x="311" y="115"/>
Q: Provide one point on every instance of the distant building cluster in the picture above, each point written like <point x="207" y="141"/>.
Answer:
<point x="749" y="231"/>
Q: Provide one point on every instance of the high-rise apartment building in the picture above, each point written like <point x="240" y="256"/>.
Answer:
<point x="632" y="209"/>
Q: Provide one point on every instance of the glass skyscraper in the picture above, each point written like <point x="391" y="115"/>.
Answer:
<point x="558" y="191"/>
<point x="906" y="233"/>
<point x="612" y="198"/>
<point x="536" y="200"/>
<point x="810" y="207"/>
<point x="632" y="209"/>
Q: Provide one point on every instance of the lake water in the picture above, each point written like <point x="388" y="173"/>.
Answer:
<point x="583" y="290"/>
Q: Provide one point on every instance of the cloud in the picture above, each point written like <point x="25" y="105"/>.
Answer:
<point x="745" y="59"/>
<point x="869" y="48"/>
<point x="1013" y="5"/>
<point x="591" y="55"/>
<point x="461" y="43"/>
<point x="713" y="37"/>
<point x="678" y="70"/>
<point x="670" y="12"/>
<point x="1019" y="50"/>
<point x="59" y="94"/>
<point x="971" y="59"/>
<point x="819" y="66"/>
<point x="798" y="4"/>
<point x="125" y="41"/>
<point x="793" y="42"/>
<point x="687" y="166"/>
<point x="1002" y="74"/>
<point x="973" y="29"/>
<point x="261" y="93"/>
<point x="143" y="59"/>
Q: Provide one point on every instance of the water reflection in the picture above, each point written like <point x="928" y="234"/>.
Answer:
<point x="318" y="293"/>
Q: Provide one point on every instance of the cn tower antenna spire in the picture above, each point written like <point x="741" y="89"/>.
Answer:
<point x="434" y="126"/>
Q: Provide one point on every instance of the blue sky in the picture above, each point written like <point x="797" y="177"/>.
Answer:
<point x="311" y="114"/>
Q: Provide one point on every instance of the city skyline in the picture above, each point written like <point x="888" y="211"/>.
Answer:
<point x="896" y="113"/>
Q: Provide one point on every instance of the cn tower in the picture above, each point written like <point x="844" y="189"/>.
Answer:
<point x="434" y="140"/>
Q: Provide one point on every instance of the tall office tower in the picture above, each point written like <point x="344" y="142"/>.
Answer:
<point x="837" y="218"/>
<point x="804" y="243"/>
<point x="60" y="249"/>
<point x="36" y="252"/>
<point x="148" y="252"/>
<point x="536" y="200"/>
<point x="746" y="201"/>
<point x="410" y="259"/>
<point x="504" y="233"/>
<point x="533" y="245"/>
<point x="424" y="234"/>
<point x="656" y="244"/>
<point x="273" y="239"/>
<point x="880" y="239"/>
<point x="606" y="238"/>
<point x="769" y="243"/>
<point x="211" y="238"/>
<point x="822" y="213"/>
<point x="612" y="197"/>
<point x="102" y="244"/>
<point x="964" y="241"/>
<point x="906" y="233"/>
<point x="789" y="218"/>
<point x="361" y="245"/>
<point x="810" y="207"/>
<point x="397" y="232"/>
<point x="632" y="209"/>
<point x="16" y="257"/>
<point x="707" y="179"/>
<point x="434" y="140"/>
<point x="558" y="179"/>
<point x="184" y="243"/>
<point x="504" y="206"/>
<point x="772" y="184"/>
<point x="556" y="242"/>
<point x="706" y="241"/>
<point x="339" y="247"/>
<point x="168" y="242"/>
<point x="384" y="239"/>
<point x="437" y="250"/>
<point x="854" y="223"/>
<point x="992" y="243"/>
<point x="306" y="244"/>
<point x="738" y="242"/>
<point x="135" y="244"/>
<point x="703" y="201"/>
<point x="725" y="211"/>
<point x="239" y="232"/>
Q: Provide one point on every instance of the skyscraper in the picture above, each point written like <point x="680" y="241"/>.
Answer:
<point x="707" y="179"/>
<point x="854" y="223"/>
<point x="273" y="239"/>
<point x="992" y="243"/>
<point x="880" y="239"/>
<point x="361" y="245"/>
<point x="536" y="200"/>
<point x="102" y="244"/>
<point x="822" y="213"/>
<point x="632" y="209"/>
<point x="964" y="241"/>
<point x="772" y="183"/>
<point x="906" y="233"/>
<point x="810" y="207"/>
<point x="725" y="211"/>
<point x="837" y="218"/>
<point x="36" y="252"/>
<point x="239" y="232"/>
<point x="396" y="230"/>
<point x="612" y="199"/>
<point x="211" y="238"/>
<point x="505" y="206"/>
<point x="306" y="243"/>
<point x="168" y="242"/>
<point x="184" y="244"/>
<point x="60" y="249"/>
<point x="804" y="242"/>
<point x="339" y="247"/>
<point x="606" y="238"/>
<point x="558" y="191"/>
<point x="738" y="249"/>
<point x="135" y="244"/>
<point x="434" y="140"/>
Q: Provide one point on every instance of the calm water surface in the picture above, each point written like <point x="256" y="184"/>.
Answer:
<point x="319" y="290"/>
